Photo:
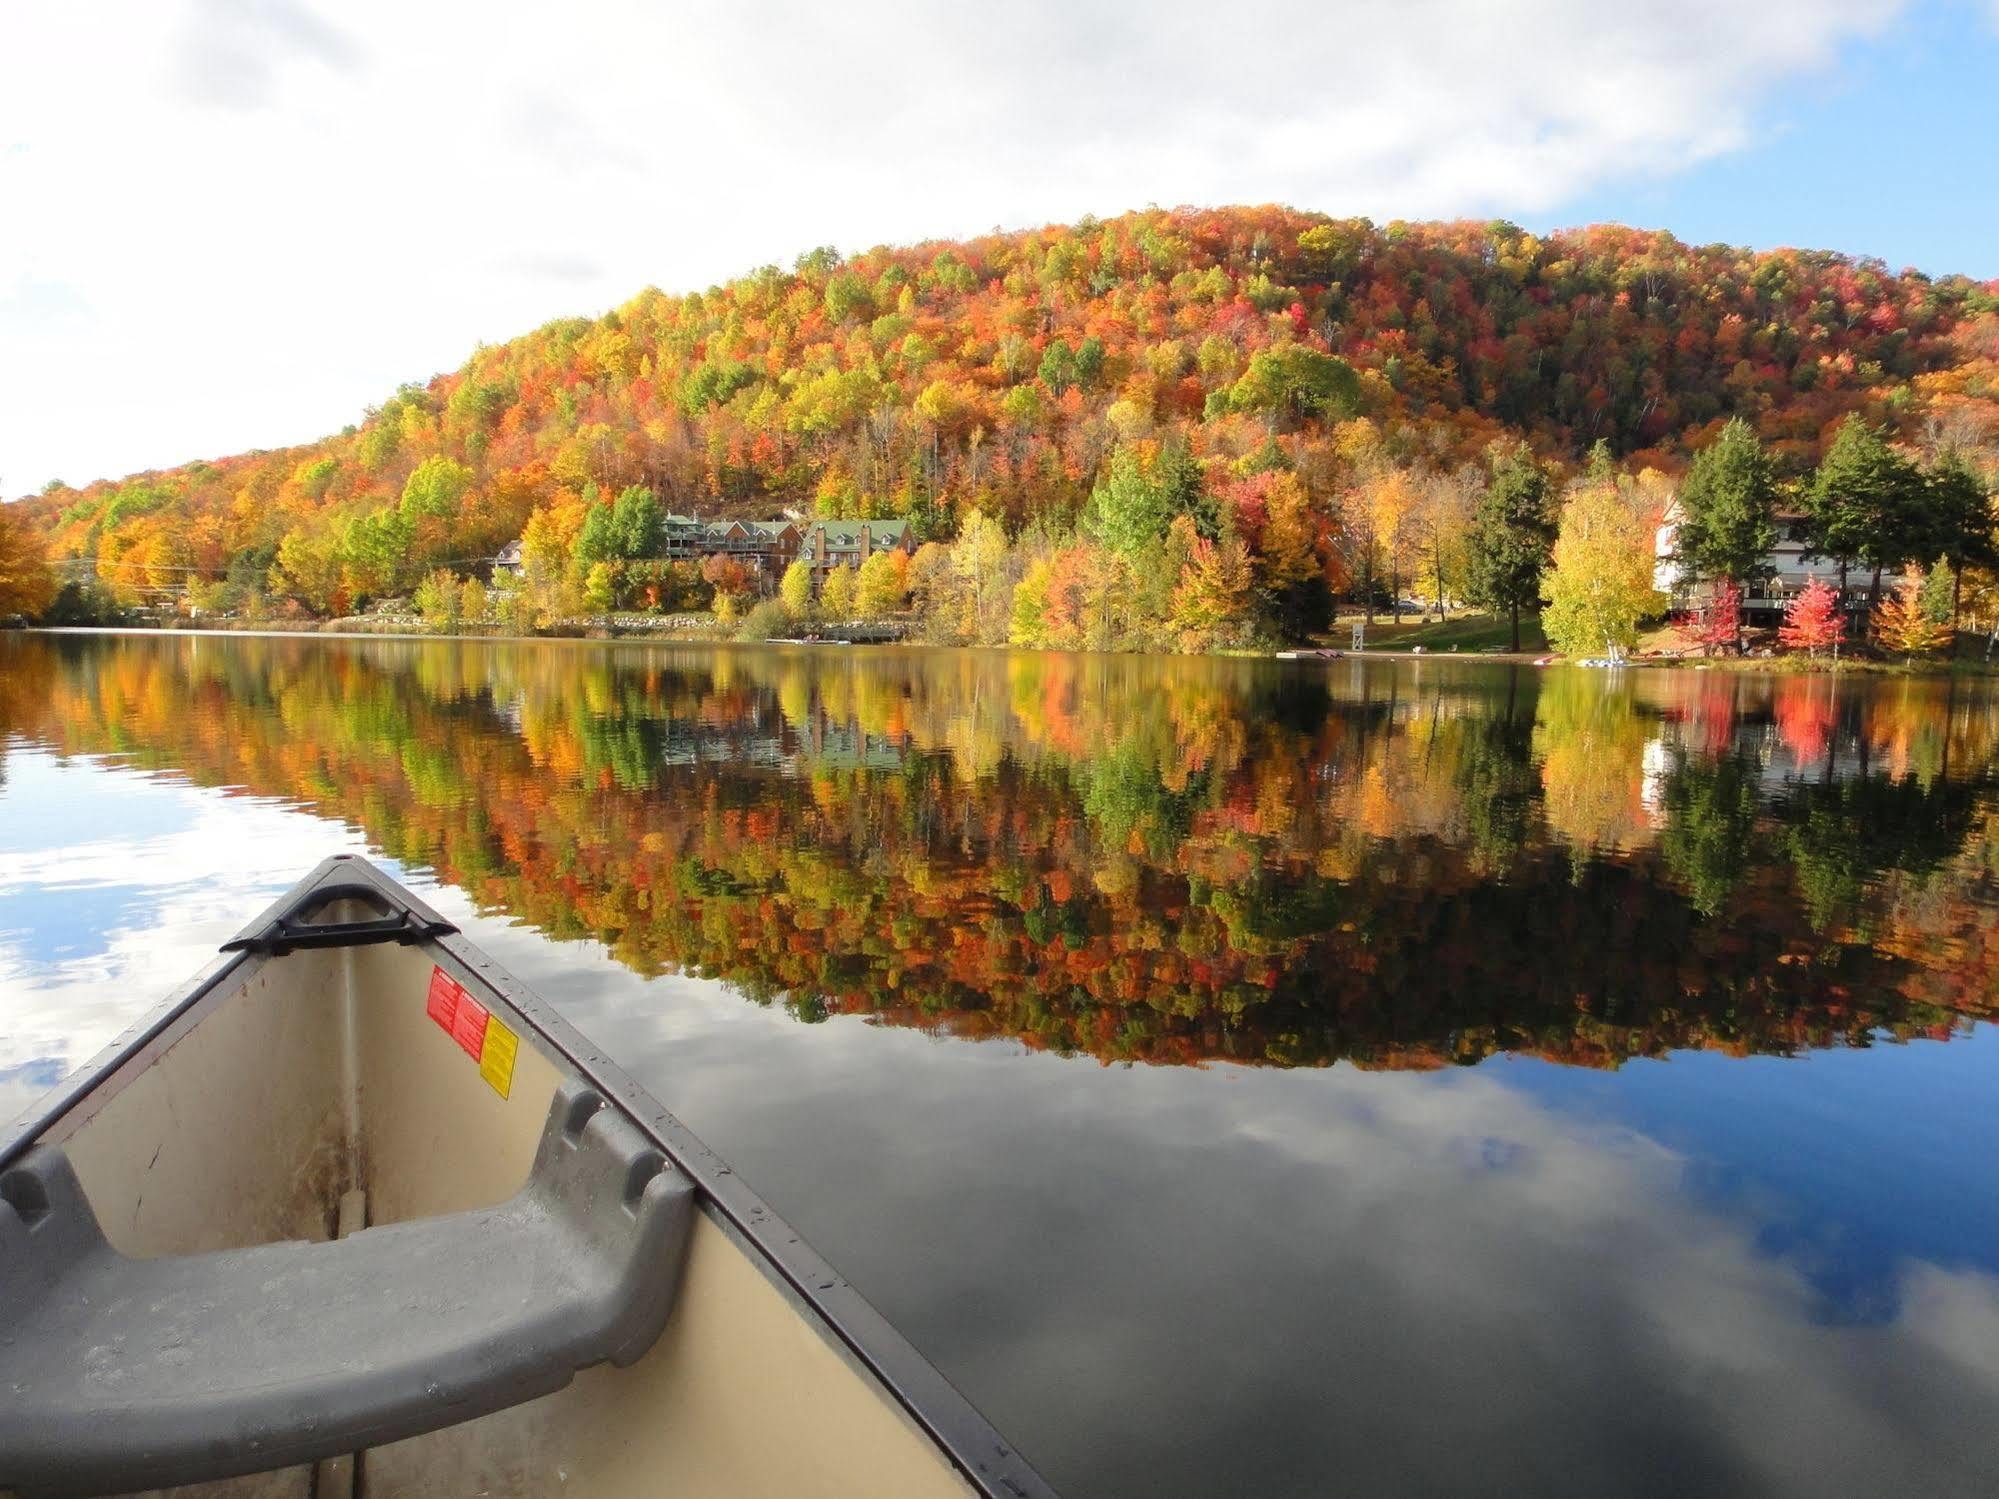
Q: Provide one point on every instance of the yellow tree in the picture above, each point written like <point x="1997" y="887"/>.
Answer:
<point x="836" y="595"/>
<point x="878" y="589"/>
<point x="1902" y="624"/>
<point x="1392" y="498"/>
<point x="1211" y="605"/>
<point x="1600" y="585"/>
<point x="796" y="589"/>
<point x="26" y="582"/>
<point x="978" y="557"/>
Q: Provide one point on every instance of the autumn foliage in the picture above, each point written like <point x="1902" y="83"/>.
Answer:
<point x="1006" y="374"/>
<point x="26" y="583"/>
<point x="1163" y="861"/>
<point x="1813" y="619"/>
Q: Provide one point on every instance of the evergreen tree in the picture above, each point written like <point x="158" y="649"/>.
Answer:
<point x="1180" y="475"/>
<point x="1511" y="537"/>
<point x="1726" y="504"/>
<point x="1868" y="504"/>
<point x="1960" y="511"/>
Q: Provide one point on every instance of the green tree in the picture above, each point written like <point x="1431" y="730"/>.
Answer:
<point x="440" y="601"/>
<point x="1295" y="382"/>
<point x="796" y="589"/>
<point x="1726" y="504"/>
<point x="1600" y="585"/>
<point x="1510" y="540"/>
<point x="637" y="525"/>
<point x="1129" y="509"/>
<point x="1179" y="473"/>
<point x="434" y="489"/>
<point x="1058" y="366"/>
<point x="1960" y="510"/>
<point x="1869" y="504"/>
<point x="1089" y="361"/>
<point x="599" y="589"/>
<point x="597" y="541"/>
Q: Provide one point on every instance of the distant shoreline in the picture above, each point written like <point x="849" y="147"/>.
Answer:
<point x="1739" y="665"/>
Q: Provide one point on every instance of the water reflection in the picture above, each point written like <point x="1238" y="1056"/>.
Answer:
<point x="1766" y="1268"/>
<point x="1165" y="861"/>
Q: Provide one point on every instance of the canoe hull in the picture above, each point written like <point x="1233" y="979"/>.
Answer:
<point x="280" y="1085"/>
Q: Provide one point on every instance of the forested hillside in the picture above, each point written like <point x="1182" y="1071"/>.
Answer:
<point x="1264" y="368"/>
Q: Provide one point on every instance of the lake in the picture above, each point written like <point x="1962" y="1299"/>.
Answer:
<point x="1239" y="1077"/>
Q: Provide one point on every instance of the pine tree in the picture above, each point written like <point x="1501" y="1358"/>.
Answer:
<point x="1868" y="504"/>
<point x="1726" y="503"/>
<point x="1511" y="537"/>
<point x="1960" y="507"/>
<point x="1813" y="620"/>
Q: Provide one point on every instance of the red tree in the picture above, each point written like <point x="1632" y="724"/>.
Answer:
<point x="1813" y="620"/>
<point x="1718" y="622"/>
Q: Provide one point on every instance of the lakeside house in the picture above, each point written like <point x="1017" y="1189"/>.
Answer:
<point x="766" y="547"/>
<point x="1782" y="573"/>
<point x="849" y="543"/>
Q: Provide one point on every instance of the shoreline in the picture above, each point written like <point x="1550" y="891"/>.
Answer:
<point x="1771" y="665"/>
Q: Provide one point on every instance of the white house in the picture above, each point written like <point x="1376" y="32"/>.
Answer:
<point x="1785" y="570"/>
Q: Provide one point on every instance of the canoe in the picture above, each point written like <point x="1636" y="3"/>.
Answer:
<point x="355" y="1212"/>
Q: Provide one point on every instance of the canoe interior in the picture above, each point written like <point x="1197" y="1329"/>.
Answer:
<point x="302" y="1077"/>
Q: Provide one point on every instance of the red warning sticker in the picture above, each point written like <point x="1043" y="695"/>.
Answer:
<point x="468" y="1026"/>
<point x="445" y="992"/>
<point x="466" y="1021"/>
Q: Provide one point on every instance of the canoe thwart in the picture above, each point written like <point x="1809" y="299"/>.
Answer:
<point x="286" y="928"/>
<point x="120" y="1374"/>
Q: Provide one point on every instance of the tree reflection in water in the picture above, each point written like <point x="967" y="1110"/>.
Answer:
<point x="1139" y="859"/>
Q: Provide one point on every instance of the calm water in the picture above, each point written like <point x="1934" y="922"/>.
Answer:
<point x="1240" y="1078"/>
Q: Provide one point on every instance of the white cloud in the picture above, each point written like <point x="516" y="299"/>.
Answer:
<point x="235" y="222"/>
<point x="181" y="902"/>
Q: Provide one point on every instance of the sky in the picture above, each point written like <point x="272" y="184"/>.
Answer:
<point x="228" y="224"/>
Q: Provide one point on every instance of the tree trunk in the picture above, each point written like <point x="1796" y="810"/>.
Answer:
<point x="1874" y="593"/>
<point x="1516" y="627"/>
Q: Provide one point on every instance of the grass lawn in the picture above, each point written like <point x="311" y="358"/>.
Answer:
<point x="1470" y="631"/>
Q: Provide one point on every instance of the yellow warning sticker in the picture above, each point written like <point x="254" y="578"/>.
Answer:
<point x="496" y="1057"/>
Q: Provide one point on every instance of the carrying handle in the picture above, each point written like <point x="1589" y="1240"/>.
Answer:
<point x="289" y="929"/>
